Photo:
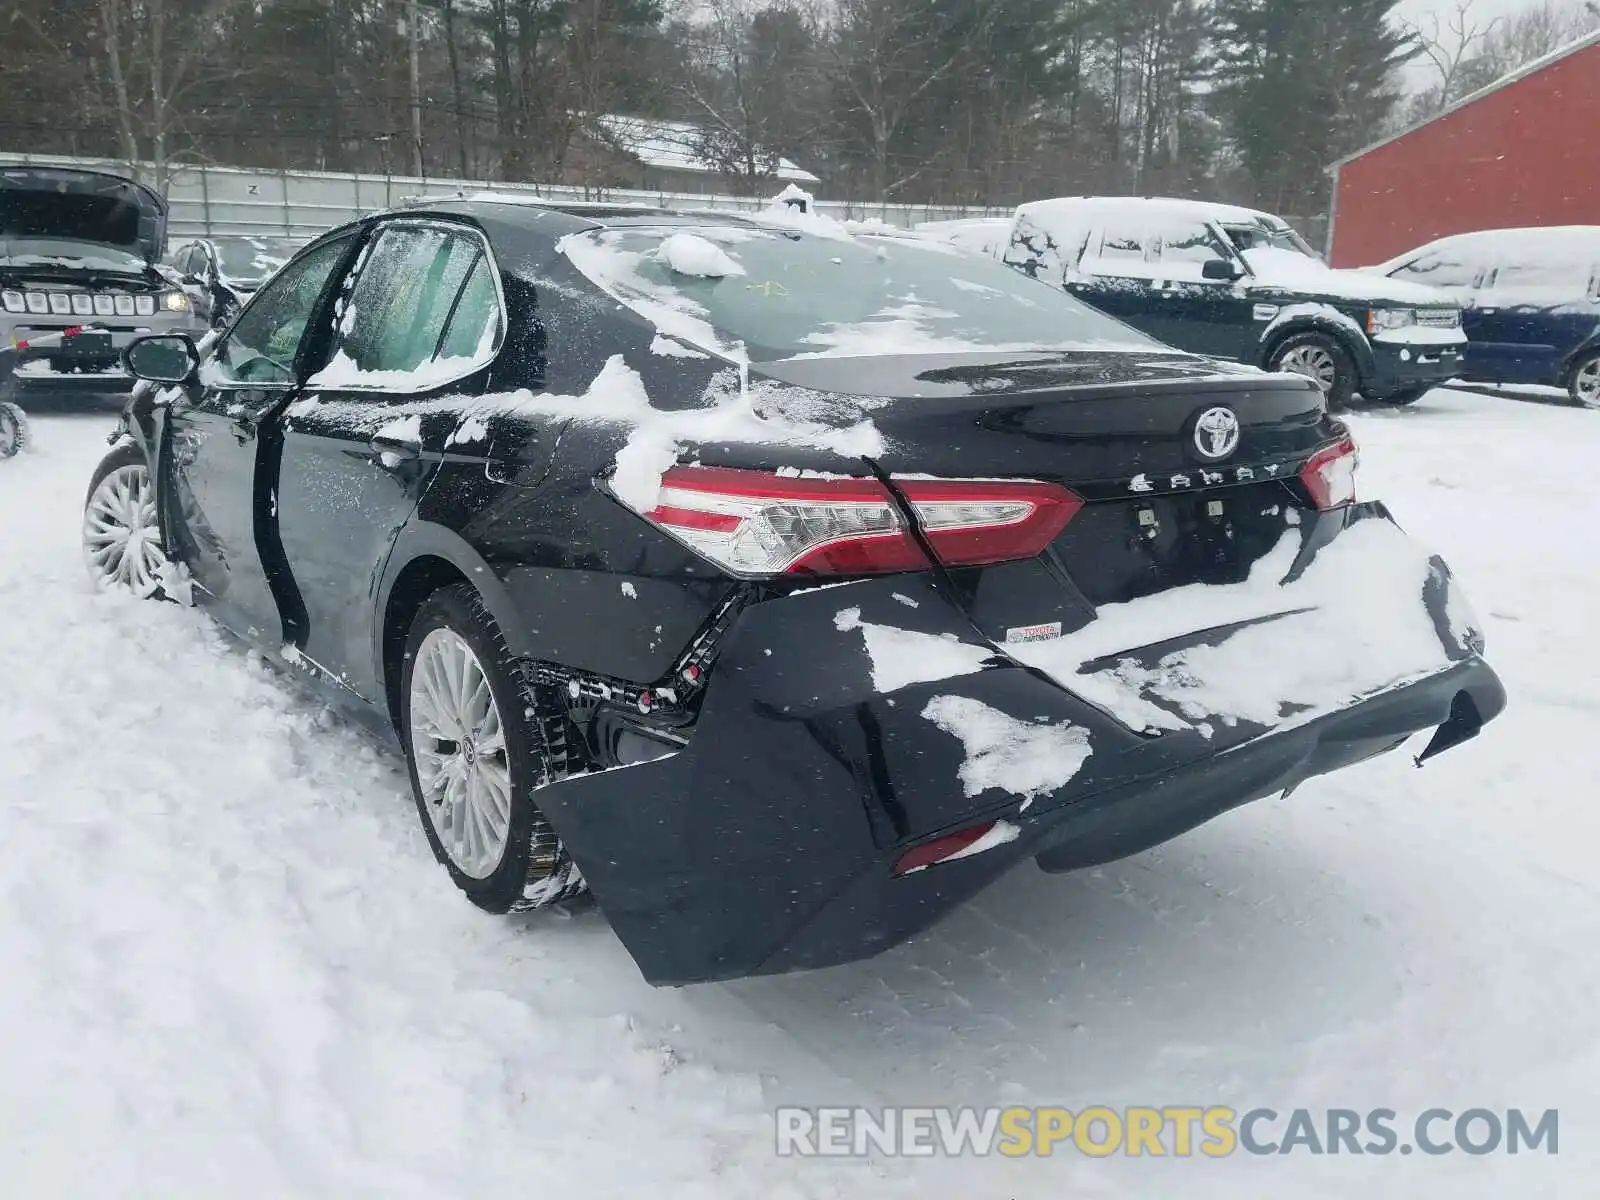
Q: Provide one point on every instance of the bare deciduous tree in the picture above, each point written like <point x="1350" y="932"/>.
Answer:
<point x="1450" y="46"/>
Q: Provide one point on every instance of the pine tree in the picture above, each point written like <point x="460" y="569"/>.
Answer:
<point x="1301" y="82"/>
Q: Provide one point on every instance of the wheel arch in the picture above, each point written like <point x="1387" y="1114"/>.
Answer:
<point x="1356" y="346"/>
<point x="1586" y="349"/>
<point x="426" y="559"/>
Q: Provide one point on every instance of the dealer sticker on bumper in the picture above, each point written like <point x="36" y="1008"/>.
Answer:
<point x="1034" y="633"/>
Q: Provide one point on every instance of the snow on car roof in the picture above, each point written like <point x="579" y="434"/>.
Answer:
<point x="1526" y="234"/>
<point x="1531" y="238"/>
<point x="1210" y="210"/>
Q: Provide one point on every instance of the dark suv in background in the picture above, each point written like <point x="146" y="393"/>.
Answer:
<point x="1530" y="300"/>
<point x="1238" y="284"/>
<point x="78" y="274"/>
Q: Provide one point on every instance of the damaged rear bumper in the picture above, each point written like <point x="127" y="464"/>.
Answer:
<point x="824" y="752"/>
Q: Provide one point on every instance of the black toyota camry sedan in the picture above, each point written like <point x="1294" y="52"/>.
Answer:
<point x="781" y="585"/>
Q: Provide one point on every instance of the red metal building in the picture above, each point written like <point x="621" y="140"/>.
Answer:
<point x="1523" y="151"/>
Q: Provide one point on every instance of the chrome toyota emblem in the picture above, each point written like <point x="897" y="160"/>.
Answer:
<point x="1216" y="434"/>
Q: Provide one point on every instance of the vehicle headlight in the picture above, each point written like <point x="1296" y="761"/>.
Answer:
<point x="13" y="301"/>
<point x="145" y="306"/>
<point x="1380" y="319"/>
<point x="175" y="302"/>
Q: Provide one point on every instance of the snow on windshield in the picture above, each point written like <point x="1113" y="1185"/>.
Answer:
<point x="618" y="267"/>
<point x="690" y="254"/>
<point x="791" y="294"/>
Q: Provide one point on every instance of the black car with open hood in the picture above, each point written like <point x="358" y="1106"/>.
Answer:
<point x="78" y="279"/>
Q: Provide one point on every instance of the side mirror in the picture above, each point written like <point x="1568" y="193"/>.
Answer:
<point x="162" y="358"/>
<point x="1220" y="269"/>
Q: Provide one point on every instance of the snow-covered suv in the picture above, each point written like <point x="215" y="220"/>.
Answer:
<point x="1239" y="284"/>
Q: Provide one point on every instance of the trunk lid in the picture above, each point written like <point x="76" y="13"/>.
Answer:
<point x="57" y="204"/>
<point x="1095" y="421"/>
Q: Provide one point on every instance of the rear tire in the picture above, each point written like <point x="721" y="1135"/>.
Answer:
<point x="1583" y="384"/>
<point x="15" y="435"/>
<point x="476" y="752"/>
<point x="1323" y="360"/>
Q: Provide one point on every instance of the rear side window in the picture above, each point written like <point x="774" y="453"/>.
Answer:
<point x="424" y="310"/>
<point x="475" y="327"/>
<point x="1126" y="251"/>
<point x="1043" y="252"/>
<point x="1540" y="275"/>
<point x="1444" y="265"/>
<point x="1124" y="245"/>
<point x="1185" y="248"/>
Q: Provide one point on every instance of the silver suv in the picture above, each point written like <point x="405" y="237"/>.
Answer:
<point x="78" y="276"/>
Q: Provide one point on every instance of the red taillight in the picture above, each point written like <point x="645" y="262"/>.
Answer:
<point x="758" y="523"/>
<point x="962" y="844"/>
<point x="971" y="523"/>
<point x="1330" y="475"/>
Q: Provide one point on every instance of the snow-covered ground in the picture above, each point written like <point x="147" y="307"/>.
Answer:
<point x="230" y="967"/>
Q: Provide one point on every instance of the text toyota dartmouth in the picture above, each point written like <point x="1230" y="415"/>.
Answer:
<point x="781" y="585"/>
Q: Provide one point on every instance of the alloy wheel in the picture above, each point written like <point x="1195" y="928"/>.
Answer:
<point x="1586" y="384"/>
<point x="1315" y="363"/>
<point x="121" y="536"/>
<point x="459" y="747"/>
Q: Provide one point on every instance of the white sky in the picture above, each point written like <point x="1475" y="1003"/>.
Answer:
<point x="1417" y="12"/>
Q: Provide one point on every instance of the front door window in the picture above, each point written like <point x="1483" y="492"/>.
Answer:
<point x="261" y="347"/>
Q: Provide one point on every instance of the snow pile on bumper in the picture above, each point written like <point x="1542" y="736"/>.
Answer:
<point x="1308" y="633"/>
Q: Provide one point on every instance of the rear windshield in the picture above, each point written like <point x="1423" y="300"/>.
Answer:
<point x="252" y="258"/>
<point x="782" y="294"/>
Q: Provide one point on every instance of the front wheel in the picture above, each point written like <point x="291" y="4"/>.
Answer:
<point x="14" y="432"/>
<point x="476" y="753"/>
<point x="121" y="534"/>
<point x="1321" y="359"/>
<point x="1583" y="386"/>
